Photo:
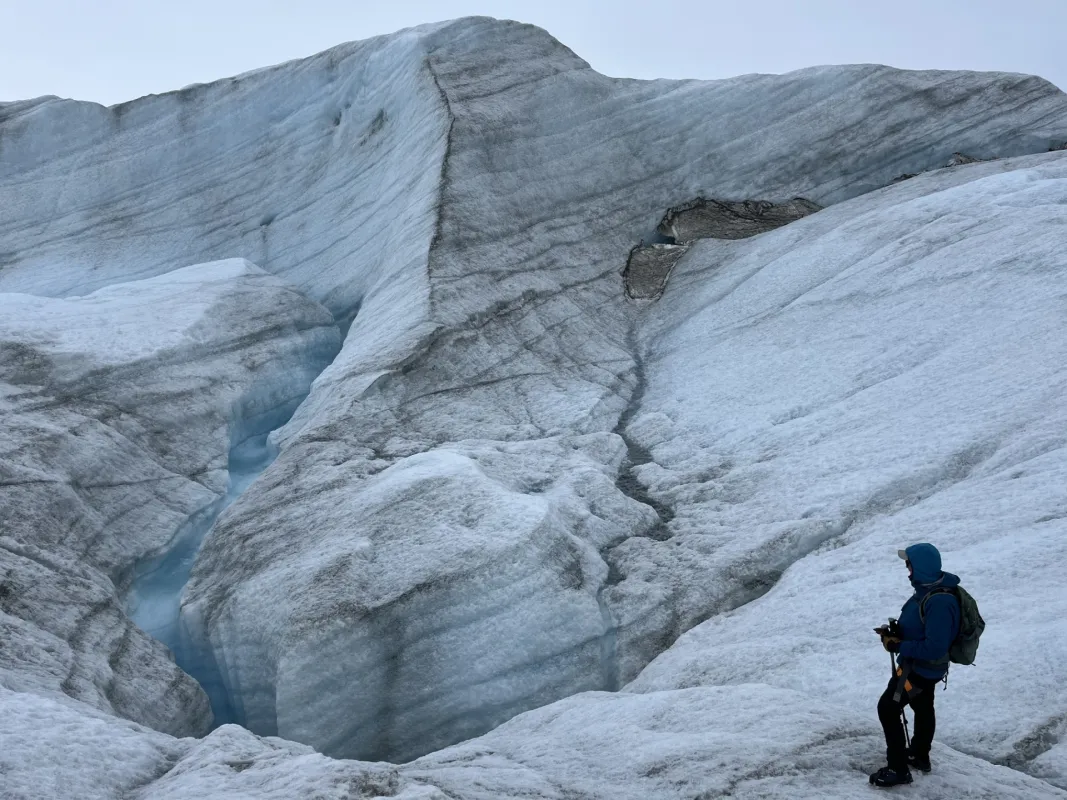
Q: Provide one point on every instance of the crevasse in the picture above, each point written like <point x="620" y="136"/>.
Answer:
<point x="153" y="600"/>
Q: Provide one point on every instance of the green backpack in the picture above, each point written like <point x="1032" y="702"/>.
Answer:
<point x="965" y="646"/>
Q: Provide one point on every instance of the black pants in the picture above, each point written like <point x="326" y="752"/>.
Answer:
<point x="921" y="701"/>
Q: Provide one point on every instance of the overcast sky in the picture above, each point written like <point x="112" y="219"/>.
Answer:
<point x="115" y="50"/>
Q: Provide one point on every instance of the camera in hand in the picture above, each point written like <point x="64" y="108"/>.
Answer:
<point x="892" y="629"/>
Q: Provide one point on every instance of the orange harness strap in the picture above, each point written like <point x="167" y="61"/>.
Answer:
<point x="907" y="684"/>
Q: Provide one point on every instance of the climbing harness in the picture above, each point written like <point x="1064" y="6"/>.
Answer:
<point x="903" y="686"/>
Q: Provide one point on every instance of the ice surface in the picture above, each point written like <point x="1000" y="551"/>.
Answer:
<point x="738" y="741"/>
<point x="60" y="748"/>
<point x="412" y="650"/>
<point x="323" y="171"/>
<point x="231" y="762"/>
<point x="513" y="483"/>
<point x="743" y="741"/>
<point x="525" y="340"/>
<point x="886" y="372"/>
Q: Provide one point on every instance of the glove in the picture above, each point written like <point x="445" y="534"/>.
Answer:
<point x="891" y="644"/>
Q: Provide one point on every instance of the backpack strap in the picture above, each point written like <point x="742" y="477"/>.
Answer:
<point x="922" y="618"/>
<point x="931" y="593"/>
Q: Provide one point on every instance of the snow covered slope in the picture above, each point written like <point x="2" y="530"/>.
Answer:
<point x="891" y="370"/>
<point x="513" y="484"/>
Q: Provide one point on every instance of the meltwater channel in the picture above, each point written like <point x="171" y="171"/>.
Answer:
<point x="153" y="600"/>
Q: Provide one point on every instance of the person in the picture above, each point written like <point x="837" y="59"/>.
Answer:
<point x="921" y="642"/>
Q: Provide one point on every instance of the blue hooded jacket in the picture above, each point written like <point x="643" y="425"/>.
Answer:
<point x="930" y="642"/>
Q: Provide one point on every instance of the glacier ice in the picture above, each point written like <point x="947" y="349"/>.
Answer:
<point x="513" y="483"/>
<point x="525" y="339"/>
<point x="54" y="747"/>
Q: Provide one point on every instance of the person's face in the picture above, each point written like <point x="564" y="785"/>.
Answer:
<point x="911" y="572"/>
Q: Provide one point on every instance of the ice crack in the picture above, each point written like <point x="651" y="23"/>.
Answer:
<point x="636" y="454"/>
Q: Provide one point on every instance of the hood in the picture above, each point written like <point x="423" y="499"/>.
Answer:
<point x="926" y="567"/>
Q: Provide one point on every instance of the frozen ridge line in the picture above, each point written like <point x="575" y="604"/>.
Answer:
<point x="444" y="519"/>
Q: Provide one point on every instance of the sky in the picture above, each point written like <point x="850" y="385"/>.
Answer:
<point x="111" y="51"/>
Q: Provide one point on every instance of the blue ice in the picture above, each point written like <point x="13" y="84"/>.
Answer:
<point x="154" y="598"/>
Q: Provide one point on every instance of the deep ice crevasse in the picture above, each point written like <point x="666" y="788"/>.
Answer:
<point x="154" y="597"/>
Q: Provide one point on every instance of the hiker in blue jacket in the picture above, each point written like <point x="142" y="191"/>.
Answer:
<point x="920" y="640"/>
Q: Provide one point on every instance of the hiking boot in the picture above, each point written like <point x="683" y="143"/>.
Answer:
<point x="887" y="776"/>
<point x="921" y="763"/>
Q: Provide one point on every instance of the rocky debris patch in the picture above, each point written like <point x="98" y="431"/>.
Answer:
<point x="957" y="160"/>
<point x="705" y="218"/>
<point x="649" y="267"/>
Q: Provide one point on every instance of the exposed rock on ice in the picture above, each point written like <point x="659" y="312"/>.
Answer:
<point x="959" y="159"/>
<point x="649" y="268"/>
<point x="720" y="219"/>
<point x="119" y="410"/>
